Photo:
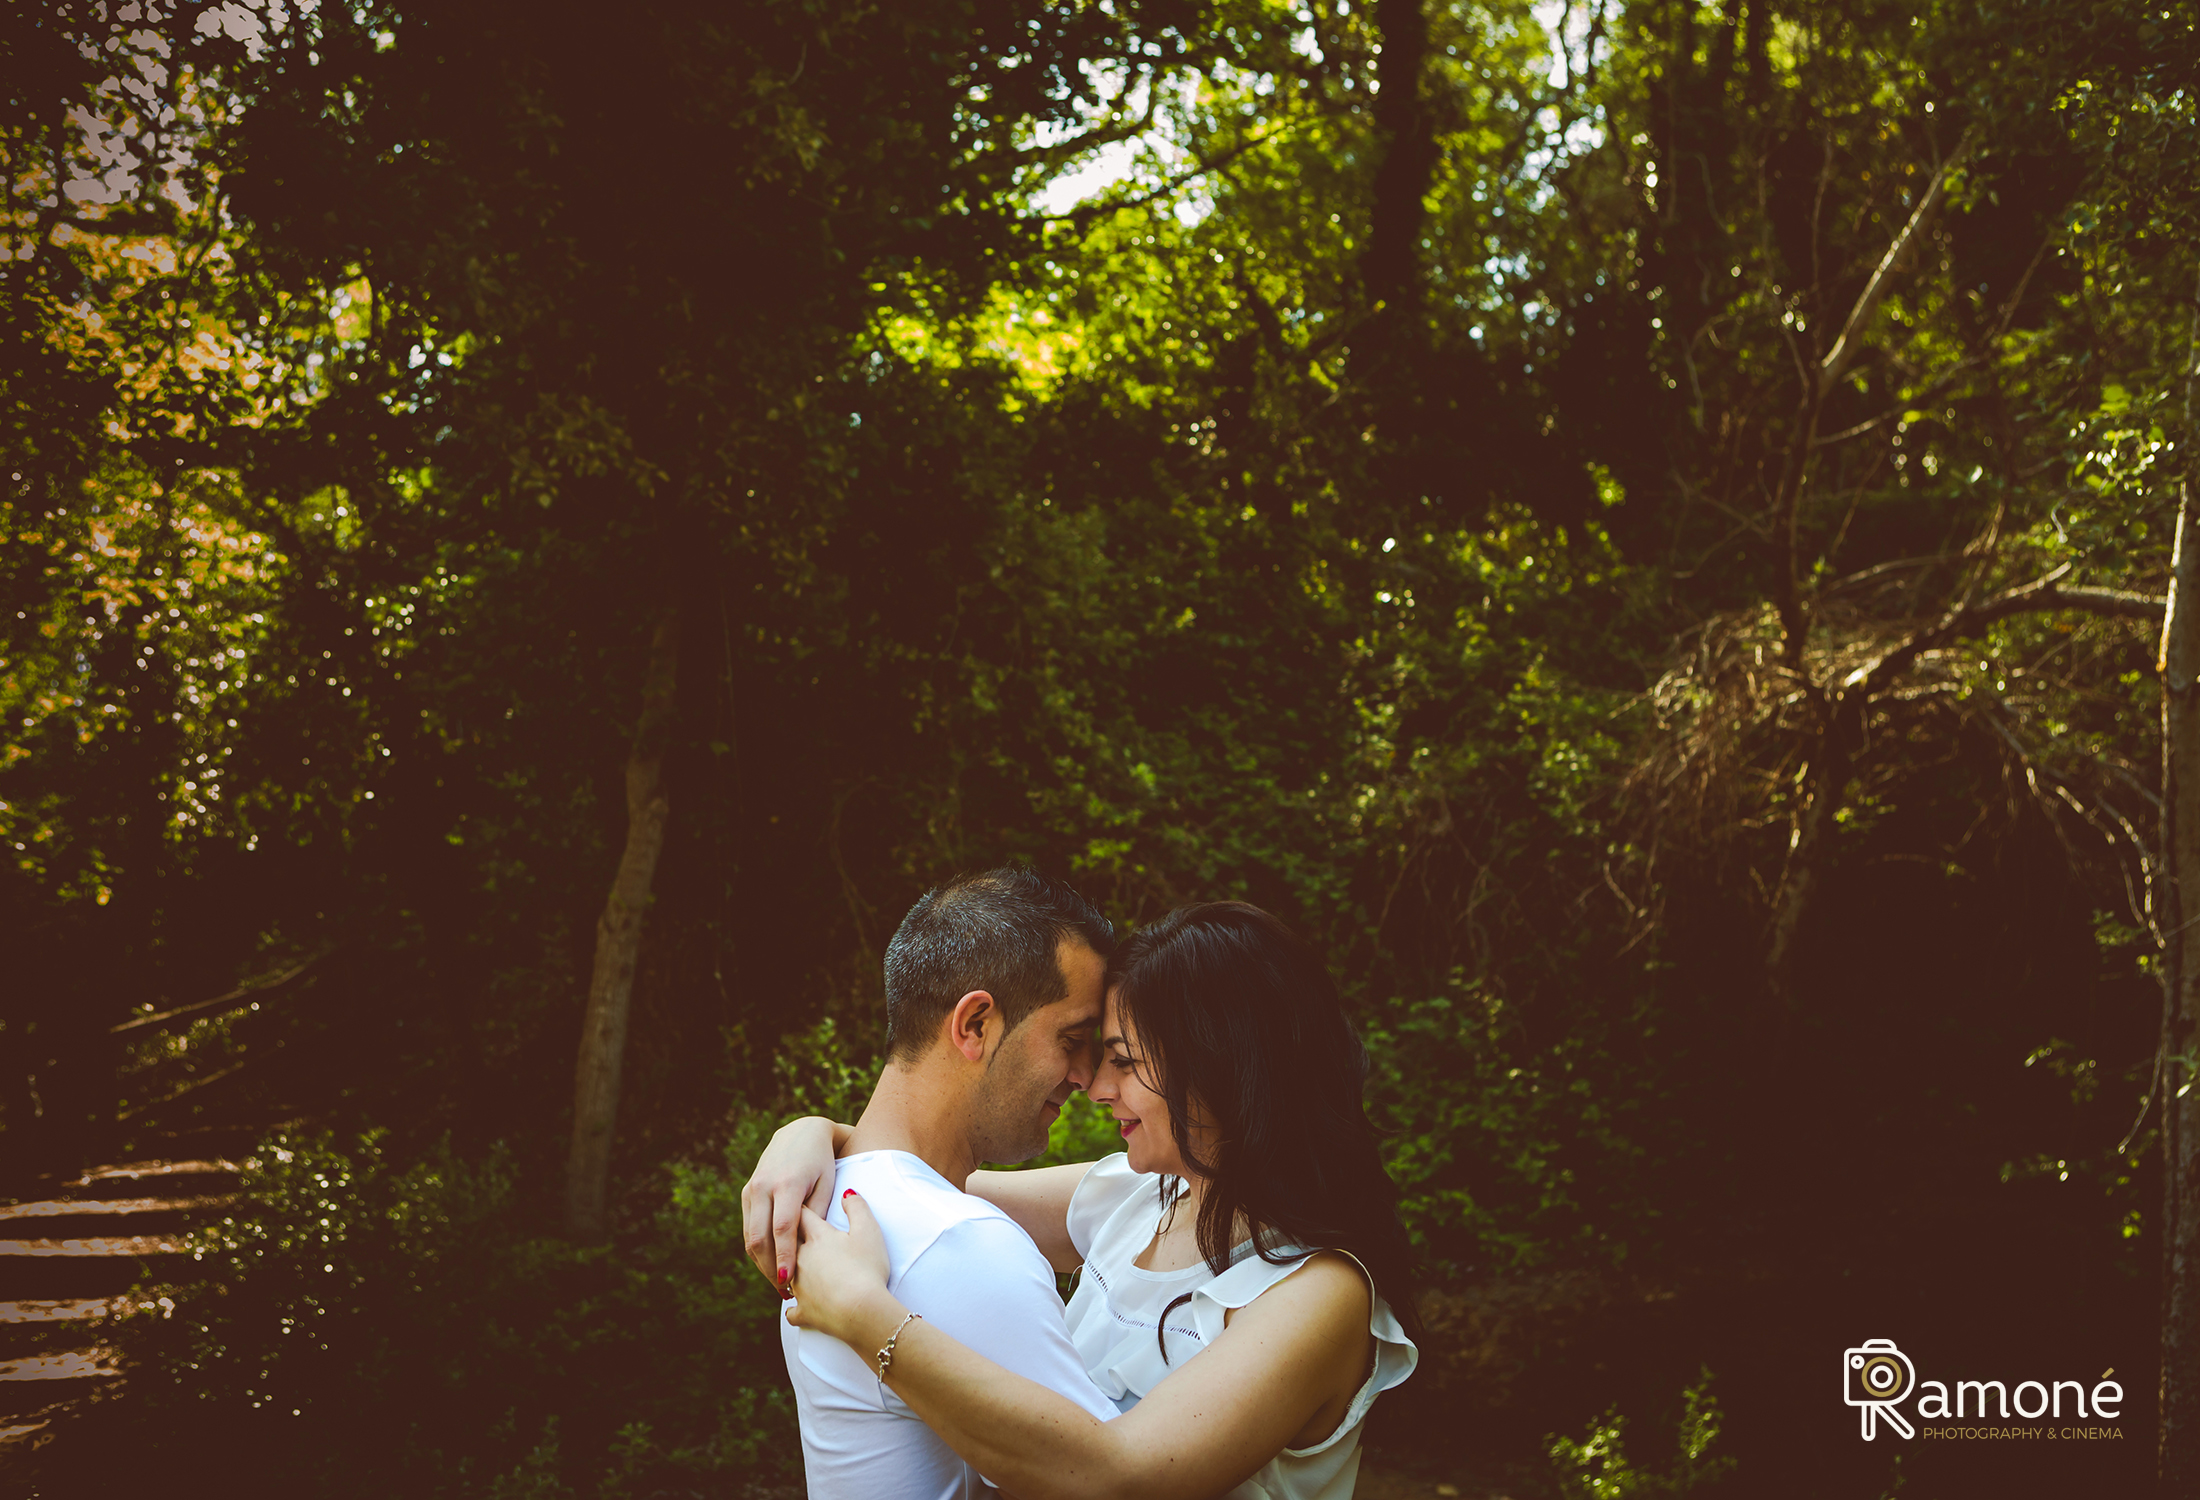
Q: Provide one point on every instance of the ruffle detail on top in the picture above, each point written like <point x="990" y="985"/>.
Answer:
<point x="1112" y="1219"/>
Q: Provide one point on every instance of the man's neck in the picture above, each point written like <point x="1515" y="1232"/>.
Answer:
<point x="914" y="1110"/>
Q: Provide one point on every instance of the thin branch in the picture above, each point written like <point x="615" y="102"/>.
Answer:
<point x="236" y="999"/>
<point x="1946" y="374"/>
<point x="1950" y="371"/>
<point x="2039" y="595"/>
<point x="1877" y="571"/>
<point x="1100" y="135"/>
<point x="2140" y="901"/>
<point x="139" y="1111"/>
<point x="1843" y="352"/>
<point x="2118" y="602"/>
<point x="1085" y="212"/>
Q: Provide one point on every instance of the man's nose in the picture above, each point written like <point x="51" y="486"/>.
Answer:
<point x="1083" y="1063"/>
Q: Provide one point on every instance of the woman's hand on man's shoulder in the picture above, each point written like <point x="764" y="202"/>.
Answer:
<point x="796" y="1169"/>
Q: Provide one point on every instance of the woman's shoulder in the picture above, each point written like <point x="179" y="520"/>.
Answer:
<point x="1327" y="1275"/>
<point x="1336" y="1278"/>
<point x="1330" y="1284"/>
<point x="1322" y="1295"/>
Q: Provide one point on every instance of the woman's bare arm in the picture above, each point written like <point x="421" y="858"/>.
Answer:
<point x="1038" y="1200"/>
<point x="797" y="1169"/>
<point x="1205" y="1429"/>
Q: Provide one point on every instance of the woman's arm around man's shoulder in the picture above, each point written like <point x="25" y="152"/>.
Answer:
<point x="1038" y="1200"/>
<point x="796" y="1170"/>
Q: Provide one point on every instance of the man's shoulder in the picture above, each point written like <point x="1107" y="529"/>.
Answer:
<point x="897" y="1177"/>
<point x="913" y="1204"/>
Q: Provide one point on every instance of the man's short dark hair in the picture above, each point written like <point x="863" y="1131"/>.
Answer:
<point x="997" y="931"/>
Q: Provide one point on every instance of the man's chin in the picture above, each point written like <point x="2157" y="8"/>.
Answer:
<point x="1045" y="1133"/>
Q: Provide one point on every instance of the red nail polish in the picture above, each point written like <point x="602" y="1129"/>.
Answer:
<point x="849" y="1194"/>
<point x="782" y="1277"/>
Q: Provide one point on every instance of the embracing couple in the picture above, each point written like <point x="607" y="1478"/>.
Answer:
<point x="1245" y="1279"/>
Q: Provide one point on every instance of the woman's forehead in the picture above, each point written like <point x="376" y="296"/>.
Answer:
<point x="1115" y="1021"/>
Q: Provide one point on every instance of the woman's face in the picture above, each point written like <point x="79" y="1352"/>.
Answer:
<point x="1122" y="1083"/>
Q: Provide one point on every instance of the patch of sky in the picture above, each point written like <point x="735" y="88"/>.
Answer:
<point x="1570" y="25"/>
<point x="1507" y="267"/>
<point x="1148" y="160"/>
<point x="1154" y="156"/>
<point x="1574" y="49"/>
<point x="1097" y="171"/>
<point x="1306" y="43"/>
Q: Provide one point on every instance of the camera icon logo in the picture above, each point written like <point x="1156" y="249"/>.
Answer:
<point x="1874" y="1376"/>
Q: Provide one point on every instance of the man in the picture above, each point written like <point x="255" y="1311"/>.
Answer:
<point x="993" y="993"/>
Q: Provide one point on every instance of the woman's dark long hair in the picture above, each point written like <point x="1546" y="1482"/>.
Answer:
<point x="1240" y="1026"/>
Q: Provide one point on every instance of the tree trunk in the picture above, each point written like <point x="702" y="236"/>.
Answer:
<point x="618" y="944"/>
<point x="1390" y="267"/>
<point x="2179" y="1449"/>
<point x="1389" y="358"/>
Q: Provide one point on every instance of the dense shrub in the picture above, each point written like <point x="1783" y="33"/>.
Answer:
<point x="1506" y="1156"/>
<point x="368" y="1327"/>
<point x="1596" y="1466"/>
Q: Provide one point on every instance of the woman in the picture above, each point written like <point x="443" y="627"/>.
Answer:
<point x="1236" y="1257"/>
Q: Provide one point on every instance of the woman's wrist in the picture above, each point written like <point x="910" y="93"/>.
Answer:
<point x="862" y="1320"/>
<point x="874" y="1318"/>
<point x="864" y="1323"/>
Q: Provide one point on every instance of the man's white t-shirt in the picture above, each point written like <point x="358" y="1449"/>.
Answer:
<point x="975" y="1275"/>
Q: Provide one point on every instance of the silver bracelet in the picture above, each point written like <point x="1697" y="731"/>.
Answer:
<point x="886" y="1350"/>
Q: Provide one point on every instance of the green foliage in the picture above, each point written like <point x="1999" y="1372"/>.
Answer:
<point x="1084" y="1131"/>
<point x="1495" y="1146"/>
<point x="1596" y="1466"/>
<point x="368" y="1327"/>
<point x="818" y="1074"/>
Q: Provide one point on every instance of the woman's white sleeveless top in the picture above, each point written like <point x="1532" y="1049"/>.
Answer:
<point x="1116" y="1321"/>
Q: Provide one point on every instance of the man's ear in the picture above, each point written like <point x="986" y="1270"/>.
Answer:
<point x="974" y="1016"/>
